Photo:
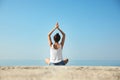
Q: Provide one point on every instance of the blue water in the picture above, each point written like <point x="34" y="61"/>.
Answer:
<point x="71" y="63"/>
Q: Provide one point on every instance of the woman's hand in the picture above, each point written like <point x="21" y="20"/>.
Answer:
<point x="57" y="25"/>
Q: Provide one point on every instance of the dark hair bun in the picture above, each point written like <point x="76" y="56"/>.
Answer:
<point x="57" y="34"/>
<point x="57" y="37"/>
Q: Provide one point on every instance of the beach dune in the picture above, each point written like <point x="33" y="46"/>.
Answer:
<point x="59" y="73"/>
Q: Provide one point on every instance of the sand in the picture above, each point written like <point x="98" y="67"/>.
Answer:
<point x="59" y="73"/>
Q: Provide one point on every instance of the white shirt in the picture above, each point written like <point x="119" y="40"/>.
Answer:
<point x="55" y="54"/>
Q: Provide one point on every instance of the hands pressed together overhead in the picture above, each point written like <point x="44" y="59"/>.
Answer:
<point x="57" y="25"/>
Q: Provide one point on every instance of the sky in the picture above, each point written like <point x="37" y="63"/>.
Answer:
<point x="92" y="28"/>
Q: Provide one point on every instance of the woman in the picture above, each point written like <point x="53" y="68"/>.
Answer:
<point x="56" y="48"/>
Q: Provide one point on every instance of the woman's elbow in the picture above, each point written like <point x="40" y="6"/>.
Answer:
<point x="48" y="34"/>
<point x="63" y="34"/>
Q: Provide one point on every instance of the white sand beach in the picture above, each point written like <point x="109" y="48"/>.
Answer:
<point x="59" y="73"/>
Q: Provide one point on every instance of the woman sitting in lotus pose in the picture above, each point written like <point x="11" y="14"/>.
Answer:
<point x="56" y="48"/>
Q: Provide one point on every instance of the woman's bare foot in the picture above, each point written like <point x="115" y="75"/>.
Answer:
<point x="65" y="61"/>
<point x="47" y="60"/>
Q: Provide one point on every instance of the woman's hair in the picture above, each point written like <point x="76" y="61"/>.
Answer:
<point x="57" y="37"/>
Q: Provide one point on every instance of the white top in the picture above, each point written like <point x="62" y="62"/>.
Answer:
<point x="55" y="54"/>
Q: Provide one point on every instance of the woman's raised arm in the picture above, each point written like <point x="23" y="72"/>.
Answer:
<point x="49" y="36"/>
<point x="63" y="38"/>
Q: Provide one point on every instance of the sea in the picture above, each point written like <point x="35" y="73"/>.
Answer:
<point x="70" y="63"/>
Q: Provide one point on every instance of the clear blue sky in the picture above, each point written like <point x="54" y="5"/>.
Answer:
<point x="92" y="28"/>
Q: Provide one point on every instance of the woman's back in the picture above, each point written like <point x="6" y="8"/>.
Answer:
<point x="56" y="53"/>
